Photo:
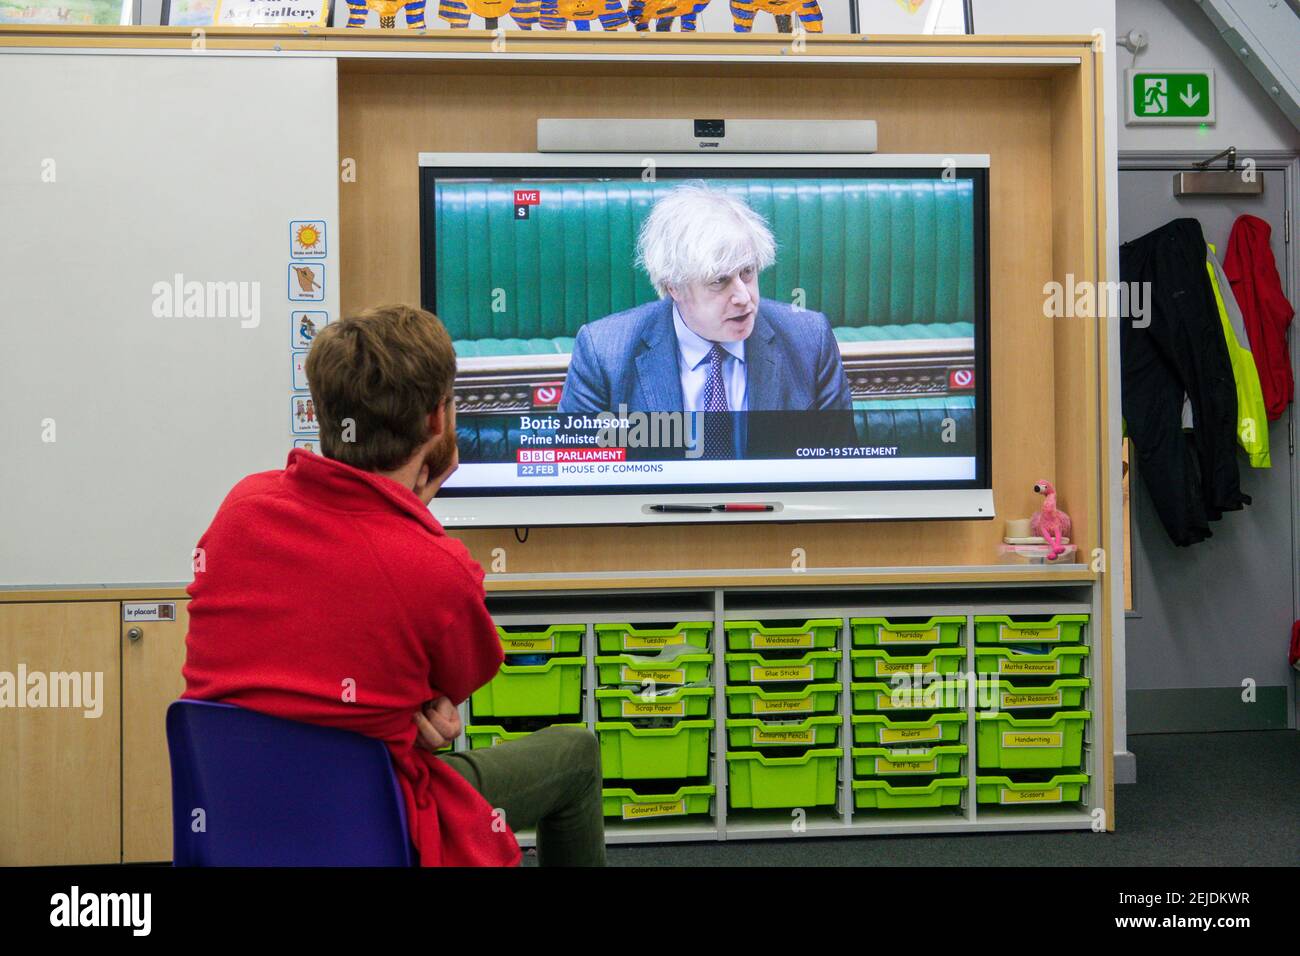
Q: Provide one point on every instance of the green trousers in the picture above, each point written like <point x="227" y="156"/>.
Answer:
<point x="550" y="781"/>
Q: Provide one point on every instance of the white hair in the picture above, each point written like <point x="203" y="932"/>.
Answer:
<point x="696" y="233"/>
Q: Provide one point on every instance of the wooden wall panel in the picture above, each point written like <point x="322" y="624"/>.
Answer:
<point x="385" y="120"/>
<point x="60" y="795"/>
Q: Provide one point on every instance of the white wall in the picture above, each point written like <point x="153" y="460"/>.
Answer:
<point x="1180" y="35"/>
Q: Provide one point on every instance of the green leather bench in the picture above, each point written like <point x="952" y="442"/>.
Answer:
<point x="885" y="260"/>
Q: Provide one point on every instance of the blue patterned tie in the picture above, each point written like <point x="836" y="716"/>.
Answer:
<point x="718" y="440"/>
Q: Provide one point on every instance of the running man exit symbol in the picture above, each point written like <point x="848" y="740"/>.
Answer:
<point x="1170" y="96"/>
<point x="1156" y="95"/>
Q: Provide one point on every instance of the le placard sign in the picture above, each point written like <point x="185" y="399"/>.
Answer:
<point x="1170" y="96"/>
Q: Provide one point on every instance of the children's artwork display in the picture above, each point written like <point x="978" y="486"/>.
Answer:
<point x="66" y="12"/>
<point x="587" y="16"/>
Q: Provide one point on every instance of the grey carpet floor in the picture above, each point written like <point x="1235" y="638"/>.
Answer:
<point x="1228" y="799"/>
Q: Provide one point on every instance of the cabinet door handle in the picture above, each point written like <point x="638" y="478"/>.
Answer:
<point x="134" y="634"/>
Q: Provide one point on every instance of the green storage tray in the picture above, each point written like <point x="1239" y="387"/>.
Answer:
<point x="1064" y="661"/>
<point x="875" y="662"/>
<point x="654" y="753"/>
<point x="1062" y="788"/>
<point x="622" y="702"/>
<point x="1008" y="695"/>
<point x="879" y="730"/>
<point x="758" y="781"/>
<point x="1016" y="743"/>
<point x="540" y="690"/>
<point x="755" y="635"/>
<point x="752" y="668"/>
<point x="628" y="669"/>
<point x="489" y="735"/>
<point x="878" y="696"/>
<point x="882" y="795"/>
<point x="809" y="732"/>
<point x="1003" y="629"/>
<point x="612" y="638"/>
<point x="630" y="805"/>
<point x="556" y="639"/>
<point x="769" y="702"/>
<point x="916" y="761"/>
<point x="942" y="630"/>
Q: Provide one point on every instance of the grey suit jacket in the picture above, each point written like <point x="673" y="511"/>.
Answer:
<point x="792" y="363"/>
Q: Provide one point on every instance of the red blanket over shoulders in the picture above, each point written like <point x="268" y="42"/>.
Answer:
<point x="332" y="596"/>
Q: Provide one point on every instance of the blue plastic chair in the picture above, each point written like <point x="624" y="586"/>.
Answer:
<point x="278" y="792"/>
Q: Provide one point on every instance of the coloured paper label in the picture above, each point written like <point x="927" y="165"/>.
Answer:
<point x="665" y="808"/>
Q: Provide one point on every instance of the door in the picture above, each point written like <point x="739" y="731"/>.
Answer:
<point x="1209" y="617"/>
<point x="61" y="750"/>
<point x="152" y="655"/>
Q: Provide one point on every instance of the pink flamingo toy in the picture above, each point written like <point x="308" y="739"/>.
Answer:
<point x="1049" y="522"/>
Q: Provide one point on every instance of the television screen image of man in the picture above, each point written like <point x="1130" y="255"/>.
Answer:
<point x="711" y="343"/>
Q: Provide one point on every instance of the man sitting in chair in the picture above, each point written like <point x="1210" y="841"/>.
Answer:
<point x="710" y="344"/>
<point x="327" y="593"/>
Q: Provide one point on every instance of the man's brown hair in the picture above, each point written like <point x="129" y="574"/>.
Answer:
<point x="386" y="370"/>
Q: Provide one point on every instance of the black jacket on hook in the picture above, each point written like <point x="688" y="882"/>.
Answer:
<point x="1192" y="477"/>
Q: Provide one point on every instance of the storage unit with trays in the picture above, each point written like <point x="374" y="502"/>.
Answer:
<point x="909" y="712"/>
<point x="784" y="727"/>
<point x="539" y="685"/>
<point x="1034" y="712"/>
<point x="654" y="707"/>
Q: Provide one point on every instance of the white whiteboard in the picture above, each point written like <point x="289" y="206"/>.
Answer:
<point x="117" y="173"/>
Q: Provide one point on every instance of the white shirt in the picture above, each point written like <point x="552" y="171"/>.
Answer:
<point x="693" y="365"/>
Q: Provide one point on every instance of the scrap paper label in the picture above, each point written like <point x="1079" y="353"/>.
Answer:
<point x="654" y="708"/>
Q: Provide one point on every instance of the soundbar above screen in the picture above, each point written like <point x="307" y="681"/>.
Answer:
<point x="711" y="338"/>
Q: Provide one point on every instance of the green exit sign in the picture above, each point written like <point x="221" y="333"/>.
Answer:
<point x="1170" y="96"/>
